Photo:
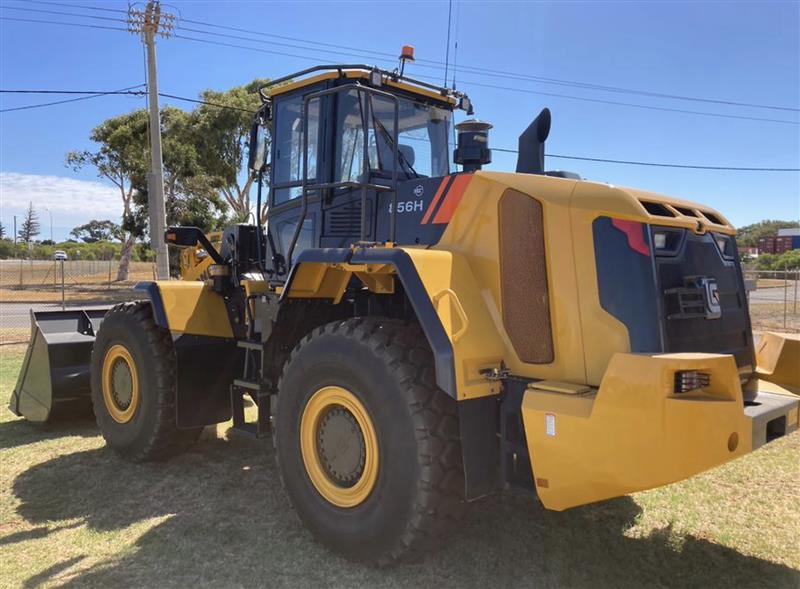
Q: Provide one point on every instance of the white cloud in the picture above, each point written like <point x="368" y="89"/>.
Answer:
<point x="72" y="202"/>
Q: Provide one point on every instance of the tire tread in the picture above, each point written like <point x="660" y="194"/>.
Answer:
<point x="439" y="504"/>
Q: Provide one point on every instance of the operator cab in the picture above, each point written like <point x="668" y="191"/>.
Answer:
<point x="357" y="154"/>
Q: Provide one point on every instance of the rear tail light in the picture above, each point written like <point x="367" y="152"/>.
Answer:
<point x="691" y="380"/>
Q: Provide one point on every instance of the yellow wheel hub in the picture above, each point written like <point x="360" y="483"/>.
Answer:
<point x="339" y="446"/>
<point x="120" y="384"/>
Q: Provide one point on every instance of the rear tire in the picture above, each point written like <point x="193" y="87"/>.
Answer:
<point x="133" y="385"/>
<point x="394" y="489"/>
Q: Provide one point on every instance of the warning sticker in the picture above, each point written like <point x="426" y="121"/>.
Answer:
<point x="550" y="424"/>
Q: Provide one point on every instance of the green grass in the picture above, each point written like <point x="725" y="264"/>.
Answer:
<point x="73" y="514"/>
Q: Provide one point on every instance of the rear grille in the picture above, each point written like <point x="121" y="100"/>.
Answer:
<point x="730" y="334"/>
<point x="655" y="208"/>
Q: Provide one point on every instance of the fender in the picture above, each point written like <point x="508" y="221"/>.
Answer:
<point x="333" y="281"/>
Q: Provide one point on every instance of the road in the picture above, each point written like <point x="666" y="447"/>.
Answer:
<point x="774" y="295"/>
<point x="18" y="314"/>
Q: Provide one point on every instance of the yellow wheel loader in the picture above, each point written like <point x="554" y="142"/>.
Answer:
<point x="415" y="338"/>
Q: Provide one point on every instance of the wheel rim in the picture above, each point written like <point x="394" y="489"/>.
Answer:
<point x="120" y="384"/>
<point x="339" y="446"/>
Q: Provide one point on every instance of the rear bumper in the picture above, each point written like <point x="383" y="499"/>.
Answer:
<point x="636" y="433"/>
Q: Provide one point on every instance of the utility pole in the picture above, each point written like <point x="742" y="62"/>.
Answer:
<point x="15" y="230"/>
<point x="151" y="22"/>
<point x="51" y="223"/>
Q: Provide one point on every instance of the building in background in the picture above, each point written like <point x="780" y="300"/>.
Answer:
<point x="786" y="240"/>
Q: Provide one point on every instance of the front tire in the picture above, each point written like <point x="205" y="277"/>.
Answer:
<point x="367" y="445"/>
<point x="133" y="385"/>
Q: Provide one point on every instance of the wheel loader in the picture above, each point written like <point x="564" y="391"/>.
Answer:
<point x="414" y="337"/>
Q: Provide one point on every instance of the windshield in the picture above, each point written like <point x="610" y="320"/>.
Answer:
<point x="423" y="138"/>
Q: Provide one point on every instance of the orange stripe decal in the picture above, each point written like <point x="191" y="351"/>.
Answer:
<point x="450" y="204"/>
<point x="435" y="201"/>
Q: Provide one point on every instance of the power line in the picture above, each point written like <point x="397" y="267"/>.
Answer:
<point x="477" y="84"/>
<point x="124" y="91"/>
<point x="473" y="83"/>
<point x="98" y="92"/>
<point x="656" y="164"/>
<point x="492" y="72"/>
<point x="421" y="62"/>
<point x="78" y="6"/>
<point x="69" y="24"/>
<point x="625" y="104"/>
<point x="129" y="91"/>
<point x="205" y="102"/>
<point x="59" y="13"/>
<point x="121" y="91"/>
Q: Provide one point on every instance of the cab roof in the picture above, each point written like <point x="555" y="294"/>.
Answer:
<point x="447" y="96"/>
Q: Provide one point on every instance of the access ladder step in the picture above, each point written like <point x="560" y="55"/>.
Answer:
<point x="261" y="426"/>
<point x="246" y="384"/>
<point x="248" y="345"/>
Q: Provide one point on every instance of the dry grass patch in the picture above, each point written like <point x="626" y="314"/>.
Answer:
<point x="73" y="514"/>
<point x="771" y="316"/>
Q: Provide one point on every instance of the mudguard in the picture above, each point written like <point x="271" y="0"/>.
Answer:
<point x="205" y="350"/>
<point x="443" y="293"/>
<point x="325" y="273"/>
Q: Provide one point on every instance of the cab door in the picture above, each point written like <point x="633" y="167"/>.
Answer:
<point x="286" y="174"/>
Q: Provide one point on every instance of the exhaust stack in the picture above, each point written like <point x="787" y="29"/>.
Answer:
<point x="531" y="144"/>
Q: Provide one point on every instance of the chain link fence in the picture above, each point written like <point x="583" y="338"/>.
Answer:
<point x="773" y="296"/>
<point x="44" y="285"/>
<point x="774" y="299"/>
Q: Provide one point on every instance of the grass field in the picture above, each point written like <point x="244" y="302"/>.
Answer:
<point x="73" y="514"/>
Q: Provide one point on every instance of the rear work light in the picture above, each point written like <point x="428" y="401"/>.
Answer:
<point x="690" y="380"/>
<point x="667" y="240"/>
<point x="725" y="245"/>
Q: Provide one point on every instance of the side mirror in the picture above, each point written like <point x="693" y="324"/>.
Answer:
<point x="258" y="147"/>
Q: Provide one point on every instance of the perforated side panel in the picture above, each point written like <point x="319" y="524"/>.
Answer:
<point x="523" y="277"/>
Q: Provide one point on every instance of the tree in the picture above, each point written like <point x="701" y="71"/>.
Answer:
<point x="122" y="159"/>
<point x="95" y="231"/>
<point x="748" y="235"/>
<point x="2" y="231"/>
<point x="190" y="196"/>
<point x="30" y="225"/>
<point x="223" y="136"/>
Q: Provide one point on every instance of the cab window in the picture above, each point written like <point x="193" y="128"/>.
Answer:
<point x="288" y="138"/>
<point x="423" y="138"/>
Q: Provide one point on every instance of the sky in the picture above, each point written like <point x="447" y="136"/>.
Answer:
<point x="747" y="52"/>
